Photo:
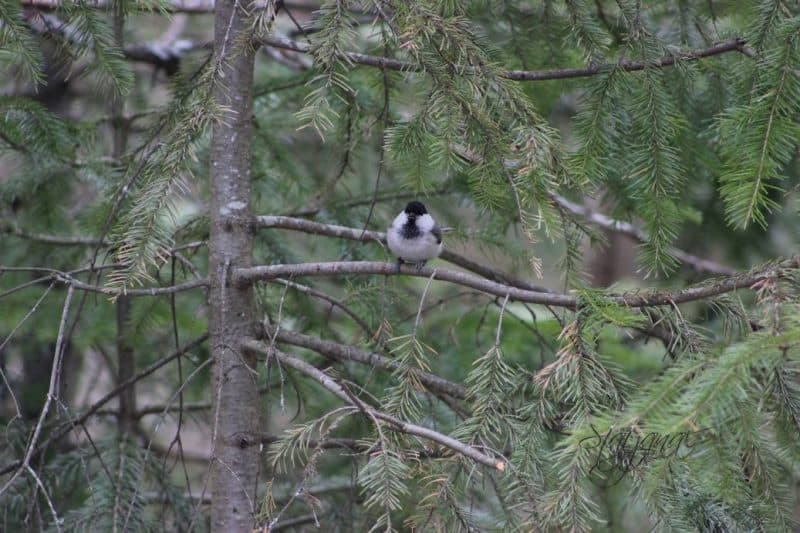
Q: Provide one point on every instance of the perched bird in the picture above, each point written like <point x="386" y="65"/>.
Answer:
<point x="414" y="237"/>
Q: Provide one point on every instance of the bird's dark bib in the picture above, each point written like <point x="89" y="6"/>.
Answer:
<point x="410" y="230"/>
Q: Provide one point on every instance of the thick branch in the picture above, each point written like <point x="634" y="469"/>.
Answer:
<point x="732" y="45"/>
<point x="344" y="352"/>
<point x="356" y="234"/>
<point x="393" y="422"/>
<point x="244" y="276"/>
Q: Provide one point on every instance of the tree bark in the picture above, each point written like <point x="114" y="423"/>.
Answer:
<point x="234" y="468"/>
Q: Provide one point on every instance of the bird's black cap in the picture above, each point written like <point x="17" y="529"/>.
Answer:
<point x="415" y="208"/>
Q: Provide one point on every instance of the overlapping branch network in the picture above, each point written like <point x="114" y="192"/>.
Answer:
<point x="477" y="276"/>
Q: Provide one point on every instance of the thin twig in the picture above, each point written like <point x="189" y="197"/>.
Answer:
<point x="500" y="322"/>
<point x="51" y="239"/>
<point x="66" y="278"/>
<point x="35" y="476"/>
<point x="322" y="296"/>
<point x="131" y="504"/>
<point x="422" y="301"/>
<point x="55" y="376"/>
<point x="95" y="407"/>
<point x="8" y="338"/>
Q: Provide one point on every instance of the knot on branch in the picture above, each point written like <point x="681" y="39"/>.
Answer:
<point x="244" y="439"/>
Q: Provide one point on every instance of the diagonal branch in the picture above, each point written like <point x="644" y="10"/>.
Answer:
<point x="52" y="394"/>
<point x="305" y="289"/>
<point x="344" y="352"/>
<point x="617" y="226"/>
<point x="393" y="422"/>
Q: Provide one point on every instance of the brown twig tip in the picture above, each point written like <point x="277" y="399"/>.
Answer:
<point x="500" y="466"/>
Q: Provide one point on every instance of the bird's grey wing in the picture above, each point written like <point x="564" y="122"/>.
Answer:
<point x="437" y="232"/>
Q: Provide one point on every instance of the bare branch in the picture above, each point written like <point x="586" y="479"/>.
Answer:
<point x="732" y="45"/>
<point x="708" y="289"/>
<point x="52" y="392"/>
<point x="245" y="276"/>
<point x="152" y="291"/>
<point x="393" y="422"/>
<point x="333" y="301"/>
<point x="51" y="239"/>
<point x="66" y="278"/>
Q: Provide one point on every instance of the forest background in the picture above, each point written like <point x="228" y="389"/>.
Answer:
<point x="201" y="329"/>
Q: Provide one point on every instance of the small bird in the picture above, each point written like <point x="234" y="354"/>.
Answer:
<point x="414" y="237"/>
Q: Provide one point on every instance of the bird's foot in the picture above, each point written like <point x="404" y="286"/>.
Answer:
<point x="418" y="265"/>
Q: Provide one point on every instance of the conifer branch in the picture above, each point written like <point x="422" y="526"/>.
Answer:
<point x="392" y="422"/>
<point x="245" y="276"/>
<point x="732" y="45"/>
<point x="618" y="226"/>
<point x="66" y="278"/>
<point x="328" y="443"/>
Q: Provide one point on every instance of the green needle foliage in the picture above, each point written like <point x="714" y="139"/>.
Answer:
<point x="763" y="129"/>
<point x="18" y="49"/>
<point x="556" y="139"/>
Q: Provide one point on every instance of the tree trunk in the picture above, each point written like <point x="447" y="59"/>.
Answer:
<point x="234" y="468"/>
